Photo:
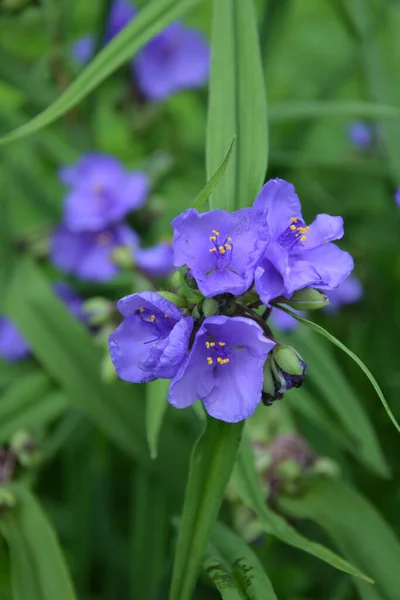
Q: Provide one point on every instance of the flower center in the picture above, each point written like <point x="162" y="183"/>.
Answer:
<point x="104" y="238"/>
<point x="218" y="246"/>
<point x="218" y="353"/>
<point x="162" y="324"/>
<point x="293" y="234"/>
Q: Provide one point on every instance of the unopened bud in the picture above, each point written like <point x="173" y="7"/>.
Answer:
<point x="122" y="256"/>
<point x="283" y="370"/>
<point x="190" y="281"/>
<point x="174" y="298"/>
<point x="7" y="499"/>
<point x="307" y="299"/>
<point x="210" y="307"/>
<point x="24" y="447"/>
<point x="97" y="310"/>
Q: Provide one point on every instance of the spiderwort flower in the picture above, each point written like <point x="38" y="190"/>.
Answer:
<point x="102" y="192"/>
<point x="283" y="321"/>
<point x="152" y="340"/>
<point x="176" y="59"/>
<point x="83" y="49"/>
<point x="13" y="347"/>
<point x="88" y="254"/>
<point x="360" y="134"/>
<point x="224" y="368"/>
<point x="349" y="292"/>
<point x="298" y="255"/>
<point x="72" y="300"/>
<point x="156" y="261"/>
<point x="221" y="249"/>
<point x="397" y="197"/>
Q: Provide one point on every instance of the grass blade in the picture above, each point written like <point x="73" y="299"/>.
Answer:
<point x="156" y="407"/>
<point x="210" y="185"/>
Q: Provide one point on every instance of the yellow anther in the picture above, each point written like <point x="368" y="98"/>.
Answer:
<point x="293" y="227"/>
<point x="212" y="238"/>
<point x="209" y="360"/>
<point x="293" y="219"/>
<point x="221" y="249"/>
<point x="210" y="344"/>
<point x="166" y="316"/>
<point x="221" y="343"/>
<point x="222" y="361"/>
<point x="228" y="247"/>
<point x="303" y="238"/>
<point x="153" y="318"/>
<point x="213" y="249"/>
<point x="215" y="232"/>
<point x="229" y="239"/>
<point x="141" y="309"/>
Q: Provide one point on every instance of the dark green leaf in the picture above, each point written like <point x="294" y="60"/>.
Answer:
<point x="211" y="465"/>
<point x="210" y="185"/>
<point x="237" y="105"/>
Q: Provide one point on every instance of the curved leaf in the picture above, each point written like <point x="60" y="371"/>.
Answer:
<point x="210" y="185"/>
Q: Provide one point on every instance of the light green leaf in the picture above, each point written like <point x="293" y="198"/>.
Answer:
<point x="358" y="530"/>
<point x="156" y="406"/>
<point x="210" y="185"/>
<point x="346" y="350"/>
<point x="151" y="20"/>
<point x="246" y="480"/>
<point x="294" y="111"/>
<point x="37" y="564"/>
<point x="232" y="565"/>
<point x="211" y="464"/>
<point x="237" y="105"/>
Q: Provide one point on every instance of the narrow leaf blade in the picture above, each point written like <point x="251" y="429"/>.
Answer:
<point x="210" y="185"/>
<point x="156" y="406"/>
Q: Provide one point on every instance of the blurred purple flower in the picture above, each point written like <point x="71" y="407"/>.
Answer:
<point x="120" y="14"/>
<point x="89" y="255"/>
<point x="360" y="134"/>
<point x="176" y="59"/>
<point x="102" y="193"/>
<point x="297" y="256"/>
<point x="397" y="197"/>
<point x="157" y="261"/>
<point x="283" y="321"/>
<point x="13" y="347"/>
<point x="151" y="341"/>
<point x="224" y="369"/>
<point x="349" y="292"/>
<point x="83" y="49"/>
<point x="72" y="300"/>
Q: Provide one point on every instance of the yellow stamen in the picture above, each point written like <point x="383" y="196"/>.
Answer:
<point x="215" y="232"/>
<point x="212" y="238"/>
<point x="166" y="316"/>
<point x="293" y="227"/>
<point x="221" y="343"/>
<point x="293" y="219"/>
<point x="210" y="344"/>
<point x="153" y="318"/>
<point x="303" y="238"/>
<point x="213" y="249"/>
<point x="221" y="249"/>
<point x="222" y="361"/>
<point x="209" y="360"/>
<point x="229" y="239"/>
<point x="141" y="309"/>
<point x="228" y="247"/>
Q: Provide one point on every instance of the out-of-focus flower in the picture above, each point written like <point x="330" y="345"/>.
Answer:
<point x="152" y="340"/>
<point x="72" y="300"/>
<point x="360" y="134"/>
<point x="121" y="13"/>
<point x="176" y="59"/>
<point x="297" y="256"/>
<point x="349" y="292"/>
<point x="224" y="369"/>
<point x="13" y="347"/>
<point x="102" y="192"/>
<point x="89" y="255"/>
<point x="82" y="50"/>
<point x="221" y="249"/>
<point x="283" y="321"/>
<point x="397" y="197"/>
<point x="156" y="261"/>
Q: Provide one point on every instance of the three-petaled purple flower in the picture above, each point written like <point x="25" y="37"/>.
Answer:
<point x="297" y="255"/>
<point x="221" y="249"/>
<point x="89" y="254"/>
<point x="152" y="340"/>
<point x="102" y="192"/>
<point x="224" y="368"/>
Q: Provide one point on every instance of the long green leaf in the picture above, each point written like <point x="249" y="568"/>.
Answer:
<point x="210" y="185"/>
<point x="358" y="530"/>
<point x="346" y="350"/>
<point x="156" y="407"/>
<point x="229" y="561"/>
<point x="150" y="21"/>
<point x="294" y="111"/>
<point x="212" y="462"/>
<point x="37" y="564"/>
<point x="237" y="105"/>
<point x="251" y="494"/>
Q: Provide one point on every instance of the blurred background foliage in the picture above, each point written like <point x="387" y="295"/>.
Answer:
<point x="112" y="506"/>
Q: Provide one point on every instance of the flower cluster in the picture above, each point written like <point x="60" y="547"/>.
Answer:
<point x="101" y="193"/>
<point x="212" y="337"/>
<point x="176" y="59"/>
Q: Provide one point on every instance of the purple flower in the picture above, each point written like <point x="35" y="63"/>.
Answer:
<point x="102" y="193"/>
<point x="121" y="13"/>
<point x="221" y="249"/>
<point x="72" y="300"/>
<point x="283" y="321"/>
<point x="157" y="261"/>
<point x="13" y="347"/>
<point x="349" y="292"/>
<point x="397" y="197"/>
<point x="151" y="341"/>
<point x="297" y="256"/>
<point x="224" y="369"/>
<point x="176" y="59"/>
<point x="360" y="134"/>
<point x="83" y="49"/>
<point x="88" y="255"/>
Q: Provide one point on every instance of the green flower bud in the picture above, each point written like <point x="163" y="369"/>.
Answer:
<point x="98" y="310"/>
<point x="190" y="281"/>
<point x="288" y="360"/>
<point x="307" y="299"/>
<point x="7" y="499"/>
<point x="177" y="279"/>
<point x="210" y="307"/>
<point x="122" y="256"/>
<point x="174" y="298"/>
<point x="24" y="447"/>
